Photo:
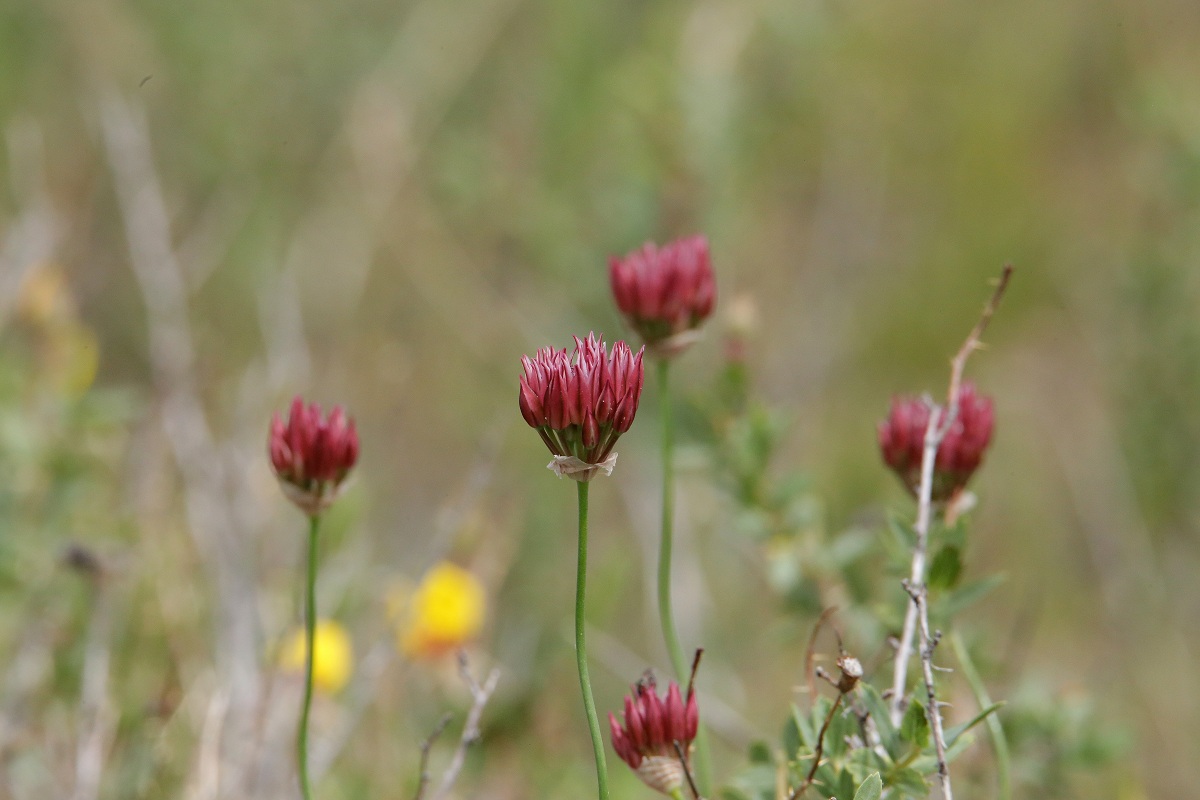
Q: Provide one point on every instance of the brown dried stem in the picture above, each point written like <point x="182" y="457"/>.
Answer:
<point x="687" y="770"/>
<point x="480" y="694"/>
<point x="810" y="651"/>
<point x="940" y="420"/>
<point x="426" y="746"/>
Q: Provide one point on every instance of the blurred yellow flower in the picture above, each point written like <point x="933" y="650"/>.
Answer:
<point x="333" y="655"/>
<point x="444" y="612"/>
<point x="45" y="297"/>
<point x="70" y="349"/>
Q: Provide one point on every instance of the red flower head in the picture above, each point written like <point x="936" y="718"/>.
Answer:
<point x="902" y="442"/>
<point x="581" y="403"/>
<point x="652" y="726"/>
<point x="311" y="456"/>
<point x="666" y="292"/>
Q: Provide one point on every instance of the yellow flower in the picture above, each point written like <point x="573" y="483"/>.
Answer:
<point x="445" y="611"/>
<point x="45" y="297"/>
<point x="333" y="655"/>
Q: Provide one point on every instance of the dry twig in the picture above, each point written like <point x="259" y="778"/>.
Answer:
<point x="852" y="672"/>
<point x="940" y="421"/>
<point x="480" y="694"/>
<point x="426" y="746"/>
<point x="214" y="525"/>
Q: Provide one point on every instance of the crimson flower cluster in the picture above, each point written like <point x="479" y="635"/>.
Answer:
<point x="902" y="441"/>
<point x="665" y="292"/>
<point x="652" y="726"/>
<point x="581" y="403"/>
<point x="312" y="454"/>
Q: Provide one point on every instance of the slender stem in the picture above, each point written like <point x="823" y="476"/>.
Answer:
<point x="665" y="613"/>
<point x="585" y="683"/>
<point x="818" y="752"/>
<point x="310" y="635"/>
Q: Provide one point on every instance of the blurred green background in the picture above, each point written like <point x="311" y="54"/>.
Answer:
<point x="386" y="204"/>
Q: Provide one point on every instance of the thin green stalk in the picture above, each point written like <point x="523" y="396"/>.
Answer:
<point x="999" y="742"/>
<point x="585" y="683"/>
<point x="310" y="635"/>
<point x="665" y="613"/>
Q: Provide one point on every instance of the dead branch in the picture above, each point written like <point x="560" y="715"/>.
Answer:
<point x="940" y="421"/>
<point x="480" y="694"/>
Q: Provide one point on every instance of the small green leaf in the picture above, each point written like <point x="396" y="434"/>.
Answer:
<point x="908" y="780"/>
<point x="760" y="753"/>
<point x="878" y="709"/>
<point x="804" y="730"/>
<point x="871" y="788"/>
<point x="946" y="568"/>
<point x="969" y="594"/>
<point x="753" y="783"/>
<point x="914" y="728"/>
<point x="958" y="730"/>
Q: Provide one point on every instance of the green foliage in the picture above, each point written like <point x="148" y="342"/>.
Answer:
<point x="945" y="568"/>
<point x="870" y="789"/>
<point x="914" y="726"/>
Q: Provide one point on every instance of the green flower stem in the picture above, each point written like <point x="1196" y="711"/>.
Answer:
<point x="310" y="635"/>
<point x="585" y="683"/>
<point x="665" y="614"/>
<point x="995" y="728"/>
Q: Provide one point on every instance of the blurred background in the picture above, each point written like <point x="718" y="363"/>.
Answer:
<point x="208" y="208"/>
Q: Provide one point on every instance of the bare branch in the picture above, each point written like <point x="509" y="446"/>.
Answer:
<point x="480" y="694"/>
<point x="426" y="746"/>
<point x="973" y="343"/>
<point x="819" y="753"/>
<point x="810" y="651"/>
<point x="940" y="421"/>
<point x="213" y="525"/>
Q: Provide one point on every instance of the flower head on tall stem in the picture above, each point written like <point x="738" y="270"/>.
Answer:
<point x="665" y="292"/>
<point x="653" y="724"/>
<point x="581" y="403"/>
<point x="312" y="454"/>
<point x="902" y="442"/>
